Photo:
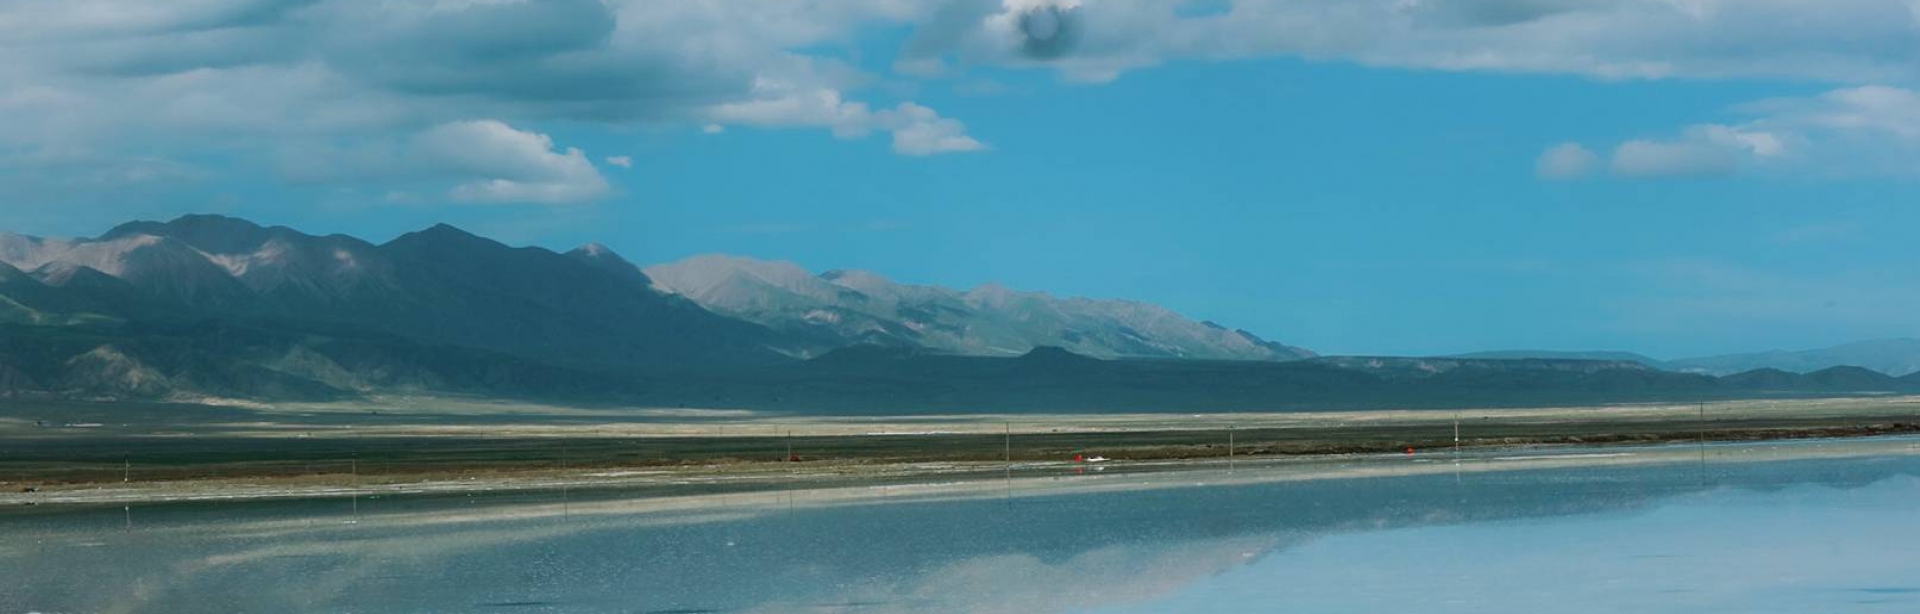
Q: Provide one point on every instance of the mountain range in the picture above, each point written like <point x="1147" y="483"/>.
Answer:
<point x="1895" y="357"/>
<point x="217" y="306"/>
<point x="841" y="308"/>
<point x="209" y="306"/>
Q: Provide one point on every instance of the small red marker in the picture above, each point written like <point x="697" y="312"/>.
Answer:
<point x="1409" y="450"/>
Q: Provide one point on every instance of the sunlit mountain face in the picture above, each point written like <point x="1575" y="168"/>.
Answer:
<point x="844" y="306"/>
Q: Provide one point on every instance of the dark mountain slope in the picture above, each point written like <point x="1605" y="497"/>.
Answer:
<point x="874" y="379"/>
<point x="225" y="359"/>
<point x="467" y="290"/>
<point x="440" y="286"/>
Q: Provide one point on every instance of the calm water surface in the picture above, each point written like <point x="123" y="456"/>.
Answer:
<point x="1797" y="527"/>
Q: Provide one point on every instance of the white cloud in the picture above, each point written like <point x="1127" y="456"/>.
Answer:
<point x="1565" y="161"/>
<point x="620" y="161"/>
<point x="508" y="165"/>
<point x="278" y="80"/>
<point x="713" y="129"/>
<point x="1704" y="150"/>
<point x="916" y="130"/>
<point x="274" y="79"/>
<point x="1869" y="130"/>
<point x="475" y="161"/>
<point x="1842" y="41"/>
<point x="919" y="131"/>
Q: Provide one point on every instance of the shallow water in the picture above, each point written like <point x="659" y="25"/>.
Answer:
<point x="1792" y="527"/>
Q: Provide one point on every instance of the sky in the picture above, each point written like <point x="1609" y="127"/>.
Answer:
<point x="1674" y="177"/>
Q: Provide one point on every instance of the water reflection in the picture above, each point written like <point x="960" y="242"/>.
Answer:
<point x="1781" y="527"/>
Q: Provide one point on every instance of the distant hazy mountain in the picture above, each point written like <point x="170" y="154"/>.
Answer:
<point x="839" y="308"/>
<point x="1894" y="357"/>
<point x="1567" y="355"/>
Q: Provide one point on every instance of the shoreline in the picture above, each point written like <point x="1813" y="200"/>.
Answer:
<point x="121" y="454"/>
<point x="746" y="478"/>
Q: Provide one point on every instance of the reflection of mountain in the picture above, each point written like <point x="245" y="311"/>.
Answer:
<point x="754" y="553"/>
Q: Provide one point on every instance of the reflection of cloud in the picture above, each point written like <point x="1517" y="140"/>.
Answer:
<point x="1025" y="584"/>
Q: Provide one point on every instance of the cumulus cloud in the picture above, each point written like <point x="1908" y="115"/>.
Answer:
<point x="1700" y="151"/>
<point x="198" y="80"/>
<point x="620" y="161"/>
<point x="1871" y="130"/>
<point x="279" y="80"/>
<point x="1847" y="41"/>
<point x="473" y="161"/>
<point x="1565" y="161"/>
<point x="509" y="165"/>
<point x="919" y="131"/>
<point x="916" y="130"/>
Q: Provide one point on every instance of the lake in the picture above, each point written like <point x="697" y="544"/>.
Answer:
<point x="1811" y="526"/>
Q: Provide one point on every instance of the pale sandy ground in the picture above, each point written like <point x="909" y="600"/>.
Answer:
<point x="824" y="479"/>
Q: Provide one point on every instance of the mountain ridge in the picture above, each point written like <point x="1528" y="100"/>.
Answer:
<point x="843" y="307"/>
<point x="1899" y="356"/>
<point x="216" y="307"/>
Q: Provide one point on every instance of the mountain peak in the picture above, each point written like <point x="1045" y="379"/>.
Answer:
<point x="595" y="250"/>
<point x="444" y="228"/>
<point x="1051" y="354"/>
<point x="194" y="228"/>
<point x="442" y="234"/>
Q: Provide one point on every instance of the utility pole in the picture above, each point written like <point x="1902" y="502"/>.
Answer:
<point x="1009" y="449"/>
<point x="1229" y="447"/>
<point x="566" y="503"/>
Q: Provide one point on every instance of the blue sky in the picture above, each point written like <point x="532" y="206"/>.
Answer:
<point x="1407" y="177"/>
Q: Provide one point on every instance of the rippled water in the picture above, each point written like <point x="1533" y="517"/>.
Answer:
<point x="1801" y="527"/>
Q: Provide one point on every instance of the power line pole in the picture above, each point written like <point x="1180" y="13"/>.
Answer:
<point x="1456" y="434"/>
<point x="1009" y="449"/>
<point x="1229" y="447"/>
